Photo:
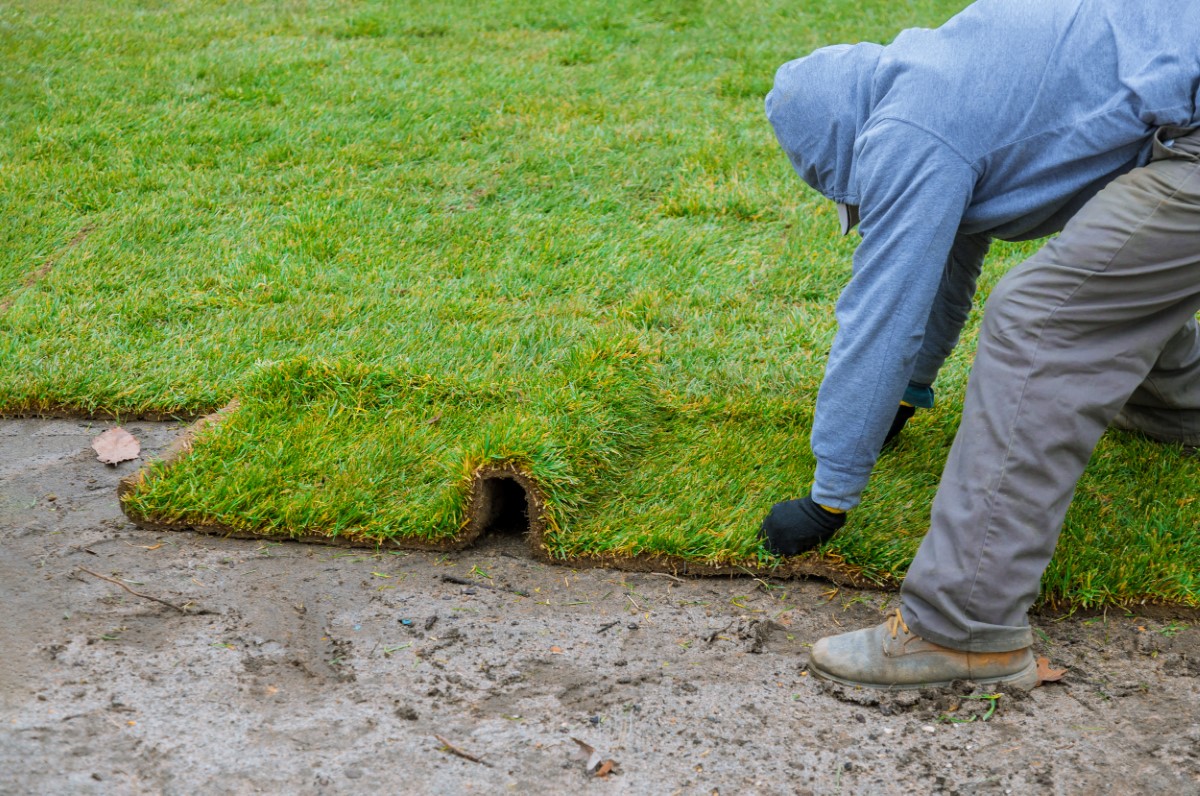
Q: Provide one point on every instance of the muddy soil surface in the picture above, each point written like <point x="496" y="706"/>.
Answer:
<point x="289" y="668"/>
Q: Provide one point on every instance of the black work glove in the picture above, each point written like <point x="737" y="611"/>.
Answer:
<point x="794" y="526"/>
<point x="915" y="395"/>
<point x="903" y="415"/>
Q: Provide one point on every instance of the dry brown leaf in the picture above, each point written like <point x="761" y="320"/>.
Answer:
<point x="116" y="445"/>
<point x="587" y="753"/>
<point x="596" y="764"/>
<point x="1047" y="675"/>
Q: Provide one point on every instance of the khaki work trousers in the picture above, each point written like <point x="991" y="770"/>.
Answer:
<point x="1099" y="325"/>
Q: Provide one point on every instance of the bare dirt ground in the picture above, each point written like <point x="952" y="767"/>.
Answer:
<point x="306" y="669"/>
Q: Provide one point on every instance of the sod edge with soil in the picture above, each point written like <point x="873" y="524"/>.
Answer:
<point x="504" y="499"/>
<point x="577" y="456"/>
<point x="545" y="472"/>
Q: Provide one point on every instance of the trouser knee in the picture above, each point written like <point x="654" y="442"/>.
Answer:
<point x="1009" y="312"/>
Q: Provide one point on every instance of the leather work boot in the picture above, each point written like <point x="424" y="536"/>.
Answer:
<point x="890" y="656"/>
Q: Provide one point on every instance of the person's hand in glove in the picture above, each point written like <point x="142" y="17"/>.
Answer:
<point x="794" y="526"/>
<point x="903" y="415"/>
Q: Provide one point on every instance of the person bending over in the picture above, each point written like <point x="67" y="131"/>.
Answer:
<point x="1014" y="120"/>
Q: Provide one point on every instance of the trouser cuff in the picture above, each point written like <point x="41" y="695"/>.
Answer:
<point x="930" y="625"/>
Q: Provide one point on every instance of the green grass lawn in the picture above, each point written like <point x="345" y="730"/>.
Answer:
<point x="418" y="240"/>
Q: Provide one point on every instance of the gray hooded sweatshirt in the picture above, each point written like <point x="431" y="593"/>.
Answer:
<point x="999" y="124"/>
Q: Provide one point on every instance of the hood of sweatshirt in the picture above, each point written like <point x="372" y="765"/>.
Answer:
<point x="818" y="106"/>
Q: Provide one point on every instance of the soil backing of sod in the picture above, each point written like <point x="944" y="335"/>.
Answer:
<point x="490" y="502"/>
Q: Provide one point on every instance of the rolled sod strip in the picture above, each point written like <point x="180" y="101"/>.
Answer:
<point x="348" y="454"/>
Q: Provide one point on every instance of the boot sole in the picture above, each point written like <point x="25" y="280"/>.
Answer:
<point x="1026" y="679"/>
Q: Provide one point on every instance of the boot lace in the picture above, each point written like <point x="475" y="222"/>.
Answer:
<point x="895" y="623"/>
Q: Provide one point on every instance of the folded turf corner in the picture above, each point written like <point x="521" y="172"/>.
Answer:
<point x="366" y="454"/>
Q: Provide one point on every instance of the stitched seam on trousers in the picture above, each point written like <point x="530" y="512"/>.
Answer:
<point x="1025" y="385"/>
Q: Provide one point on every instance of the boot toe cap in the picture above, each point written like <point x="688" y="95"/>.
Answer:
<point x="841" y="657"/>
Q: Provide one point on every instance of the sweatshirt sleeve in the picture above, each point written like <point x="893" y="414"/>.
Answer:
<point x="951" y="305"/>
<point x="914" y="190"/>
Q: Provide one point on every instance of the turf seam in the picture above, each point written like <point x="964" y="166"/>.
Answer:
<point x="43" y="270"/>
